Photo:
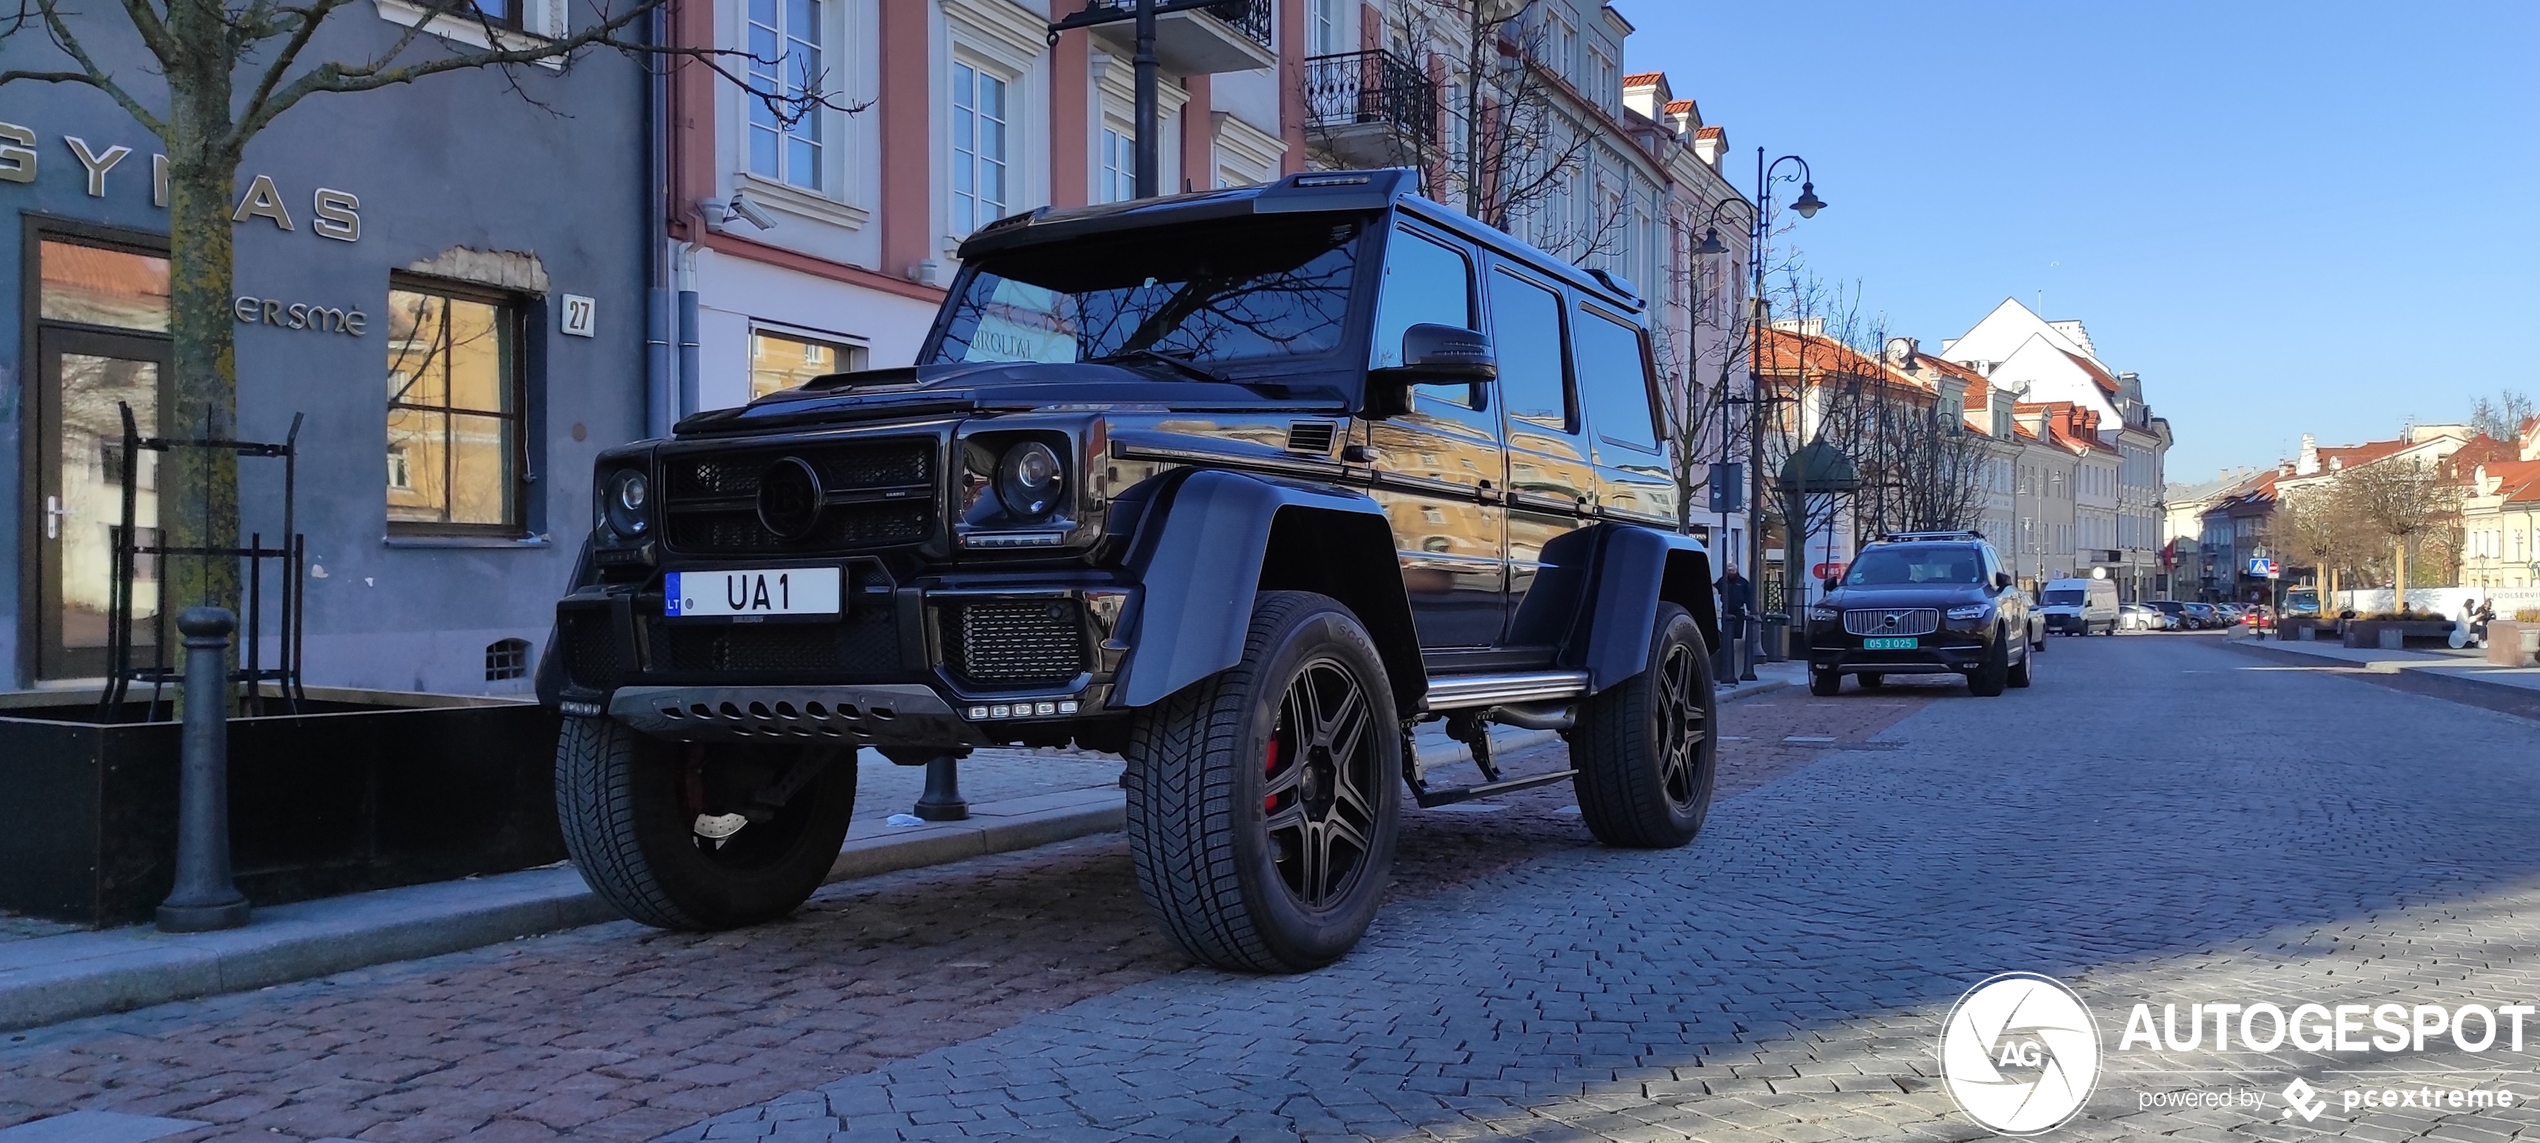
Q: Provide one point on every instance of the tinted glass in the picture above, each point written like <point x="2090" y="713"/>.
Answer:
<point x="1210" y="292"/>
<point x="1424" y="283"/>
<point x="1526" y="332"/>
<point x="1903" y="567"/>
<point x="2063" y="597"/>
<point x="1614" y="378"/>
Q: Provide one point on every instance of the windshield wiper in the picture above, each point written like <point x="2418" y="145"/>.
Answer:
<point x="1175" y="360"/>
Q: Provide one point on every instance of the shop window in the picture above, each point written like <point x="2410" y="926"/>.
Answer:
<point x="455" y="393"/>
<point x="506" y="659"/>
<point x="781" y="360"/>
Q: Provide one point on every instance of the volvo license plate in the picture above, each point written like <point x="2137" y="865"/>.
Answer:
<point x="775" y="591"/>
<point x="1889" y="643"/>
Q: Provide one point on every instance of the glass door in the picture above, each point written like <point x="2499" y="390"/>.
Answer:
<point x="101" y="344"/>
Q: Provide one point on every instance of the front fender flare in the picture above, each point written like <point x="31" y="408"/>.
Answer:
<point x="1199" y="562"/>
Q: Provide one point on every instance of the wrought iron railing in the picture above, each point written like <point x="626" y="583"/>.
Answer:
<point x="1370" y="87"/>
<point x="1249" y="17"/>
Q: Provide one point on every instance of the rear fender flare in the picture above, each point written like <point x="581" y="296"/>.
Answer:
<point x="1213" y="540"/>
<point x="1637" y="569"/>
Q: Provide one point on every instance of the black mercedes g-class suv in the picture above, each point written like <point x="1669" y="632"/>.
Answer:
<point x="1924" y="603"/>
<point x="1242" y="485"/>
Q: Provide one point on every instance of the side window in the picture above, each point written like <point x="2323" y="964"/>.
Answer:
<point x="1526" y="332"/>
<point x="1425" y="282"/>
<point x="1614" y="378"/>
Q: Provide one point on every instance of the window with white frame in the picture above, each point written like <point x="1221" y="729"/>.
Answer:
<point x="785" y="61"/>
<point x="981" y="146"/>
<point x="1118" y="181"/>
<point x="1324" y="26"/>
<point x="1603" y="85"/>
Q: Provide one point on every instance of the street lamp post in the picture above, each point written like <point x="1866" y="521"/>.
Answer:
<point x="1806" y="206"/>
<point x="1143" y="66"/>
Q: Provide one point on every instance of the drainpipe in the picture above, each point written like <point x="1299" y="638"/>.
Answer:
<point x="660" y="387"/>
<point x="688" y="356"/>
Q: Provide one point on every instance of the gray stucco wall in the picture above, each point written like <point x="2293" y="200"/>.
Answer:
<point x="461" y="160"/>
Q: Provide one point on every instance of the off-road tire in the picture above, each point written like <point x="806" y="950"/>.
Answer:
<point x="1871" y="680"/>
<point x="1825" y="684"/>
<point x="1202" y="763"/>
<point x="624" y="802"/>
<point x="1987" y="681"/>
<point x="1647" y="750"/>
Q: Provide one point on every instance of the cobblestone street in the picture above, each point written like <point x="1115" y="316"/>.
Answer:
<point x="2160" y="820"/>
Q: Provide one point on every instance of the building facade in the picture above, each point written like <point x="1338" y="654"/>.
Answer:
<point x="455" y="327"/>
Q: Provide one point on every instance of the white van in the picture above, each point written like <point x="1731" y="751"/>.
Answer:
<point x="2080" y="606"/>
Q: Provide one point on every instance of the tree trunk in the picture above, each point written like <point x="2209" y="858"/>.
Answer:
<point x="2399" y="575"/>
<point x="199" y="487"/>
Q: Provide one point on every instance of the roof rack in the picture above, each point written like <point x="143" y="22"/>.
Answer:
<point x="1901" y="537"/>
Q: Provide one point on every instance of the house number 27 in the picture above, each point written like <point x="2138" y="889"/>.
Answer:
<point x="579" y="316"/>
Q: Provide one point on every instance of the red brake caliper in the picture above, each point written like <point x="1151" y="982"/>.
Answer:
<point x="1270" y="766"/>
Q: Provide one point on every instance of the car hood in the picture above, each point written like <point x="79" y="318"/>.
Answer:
<point x="1908" y="595"/>
<point x="1004" y="387"/>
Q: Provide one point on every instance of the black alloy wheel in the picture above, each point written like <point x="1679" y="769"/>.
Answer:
<point x="1319" y="787"/>
<point x="1264" y="800"/>
<point x="1645" y="749"/>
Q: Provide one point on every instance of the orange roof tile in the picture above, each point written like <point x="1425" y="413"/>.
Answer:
<point x="1708" y="132"/>
<point x="1644" y="78"/>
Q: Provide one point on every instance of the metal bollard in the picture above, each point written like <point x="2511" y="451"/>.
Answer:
<point x="205" y="897"/>
<point x="942" y="801"/>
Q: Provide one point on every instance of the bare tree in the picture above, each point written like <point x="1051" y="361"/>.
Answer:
<point x="222" y="71"/>
<point x="2502" y="417"/>
<point x="2316" y="527"/>
<point x="1515" y="152"/>
<point x="2403" y="504"/>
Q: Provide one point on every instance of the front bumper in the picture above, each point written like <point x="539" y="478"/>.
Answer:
<point x="929" y="660"/>
<point x="1946" y="651"/>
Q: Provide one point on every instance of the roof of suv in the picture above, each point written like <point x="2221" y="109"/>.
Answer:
<point x="1355" y="192"/>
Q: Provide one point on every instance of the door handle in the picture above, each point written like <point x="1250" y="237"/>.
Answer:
<point x="53" y="513"/>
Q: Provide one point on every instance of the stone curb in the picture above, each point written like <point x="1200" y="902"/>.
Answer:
<point x="2428" y="679"/>
<point x="46" y="980"/>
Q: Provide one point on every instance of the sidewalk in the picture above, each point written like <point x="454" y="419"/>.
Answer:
<point x="2459" y="676"/>
<point x="1018" y="799"/>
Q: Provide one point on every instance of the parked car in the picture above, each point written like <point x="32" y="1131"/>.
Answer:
<point x="2202" y="616"/>
<point x="2139" y="617"/>
<point x="1924" y="603"/>
<point x="2080" y="606"/>
<point x="1242" y="485"/>
<point x="2173" y="611"/>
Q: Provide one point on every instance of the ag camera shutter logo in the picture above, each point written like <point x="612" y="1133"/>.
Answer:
<point x="2020" y="1053"/>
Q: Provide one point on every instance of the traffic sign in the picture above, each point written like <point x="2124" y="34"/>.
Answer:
<point x="2262" y="566"/>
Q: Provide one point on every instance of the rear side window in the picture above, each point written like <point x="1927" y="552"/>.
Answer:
<point x="1526" y="333"/>
<point x="1614" y="380"/>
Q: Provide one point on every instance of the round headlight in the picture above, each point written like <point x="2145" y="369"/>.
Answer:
<point x="1028" y="479"/>
<point x="626" y="502"/>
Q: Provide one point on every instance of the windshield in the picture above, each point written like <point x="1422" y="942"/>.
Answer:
<point x="1896" y="567"/>
<point x="1214" y="291"/>
<point x="2069" y="596"/>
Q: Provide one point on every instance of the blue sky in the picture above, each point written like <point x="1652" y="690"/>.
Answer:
<point x="2288" y="218"/>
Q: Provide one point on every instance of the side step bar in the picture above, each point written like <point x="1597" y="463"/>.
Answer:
<point x="1456" y="692"/>
<point x="1432" y="799"/>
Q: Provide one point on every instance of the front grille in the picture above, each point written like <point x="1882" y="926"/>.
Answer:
<point x="863" y="646"/>
<point x="1891" y="621"/>
<point x="595" y="657"/>
<point x="739" y="531"/>
<point x="875" y="494"/>
<point x="1014" y="642"/>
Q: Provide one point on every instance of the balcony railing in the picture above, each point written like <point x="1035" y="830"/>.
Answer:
<point x="1250" y="17"/>
<point x="1370" y="88"/>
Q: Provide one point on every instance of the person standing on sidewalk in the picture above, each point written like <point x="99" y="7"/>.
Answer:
<point x="1736" y="597"/>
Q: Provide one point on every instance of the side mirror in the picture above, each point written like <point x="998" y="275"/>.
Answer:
<point x="1432" y="354"/>
<point x="2001" y="579"/>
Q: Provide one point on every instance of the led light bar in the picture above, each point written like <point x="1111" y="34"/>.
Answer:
<point x="1039" y="708"/>
<point x="1013" y="539"/>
